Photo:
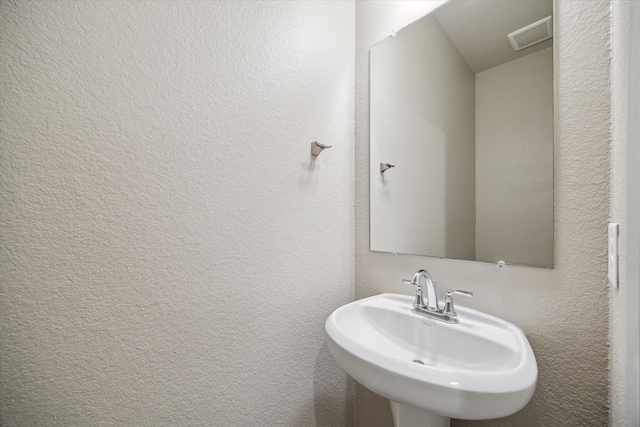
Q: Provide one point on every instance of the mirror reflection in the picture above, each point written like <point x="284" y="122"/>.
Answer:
<point x="462" y="107"/>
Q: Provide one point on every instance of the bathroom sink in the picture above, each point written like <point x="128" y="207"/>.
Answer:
<point x="480" y="368"/>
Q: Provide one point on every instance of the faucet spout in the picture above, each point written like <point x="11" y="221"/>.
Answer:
<point x="432" y="298"/>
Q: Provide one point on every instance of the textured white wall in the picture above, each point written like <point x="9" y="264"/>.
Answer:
<point x="428" y="132"/>
<point x="169" y="251"/>
<point x="514" y="161"/>
<point x="564" y="311"/>
<point x="619" y="91"/>
<point x="625" y="200"/>
<point x="631" y="350"/>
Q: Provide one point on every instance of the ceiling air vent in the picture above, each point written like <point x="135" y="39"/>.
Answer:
<point x="531" y="34"/>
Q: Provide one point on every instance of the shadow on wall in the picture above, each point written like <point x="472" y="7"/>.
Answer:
<point x="332" y="391"/>
<point x="372" y="410"/>
<point x="528" y="418"/>
<point x="332" y="395"/>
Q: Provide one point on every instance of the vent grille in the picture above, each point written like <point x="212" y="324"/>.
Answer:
<point x="531" y="34"/>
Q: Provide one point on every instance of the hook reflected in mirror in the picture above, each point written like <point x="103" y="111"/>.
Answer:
<point x="385" y="166"/>
<point x="317" y="148"/>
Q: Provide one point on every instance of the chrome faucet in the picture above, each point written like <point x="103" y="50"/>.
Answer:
<point x="431" y="308"/>
<point x="432" y="298"/>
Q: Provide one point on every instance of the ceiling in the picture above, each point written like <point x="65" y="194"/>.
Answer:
<point x="479" y="28"/>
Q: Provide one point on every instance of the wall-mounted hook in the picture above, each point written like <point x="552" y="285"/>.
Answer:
<point x="385" y="166"/>
<point x="316" y="148"/>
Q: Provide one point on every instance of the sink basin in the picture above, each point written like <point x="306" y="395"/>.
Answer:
<point x="480" y="368"/>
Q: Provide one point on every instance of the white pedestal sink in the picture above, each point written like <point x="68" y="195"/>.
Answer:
<point x="431" y="371"/>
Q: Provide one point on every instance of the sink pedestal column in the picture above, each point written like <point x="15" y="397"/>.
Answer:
<point x="406" y="416"/>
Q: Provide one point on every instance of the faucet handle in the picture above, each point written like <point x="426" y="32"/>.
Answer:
<point x="465" y="293"/>
<point x="418" y="301"/>
<point x="448" y="302"/>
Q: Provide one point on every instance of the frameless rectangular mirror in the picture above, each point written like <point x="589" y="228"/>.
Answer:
<point x="462" y="107"/>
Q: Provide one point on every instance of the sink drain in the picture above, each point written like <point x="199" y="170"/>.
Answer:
<point x="419" y="361"/>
